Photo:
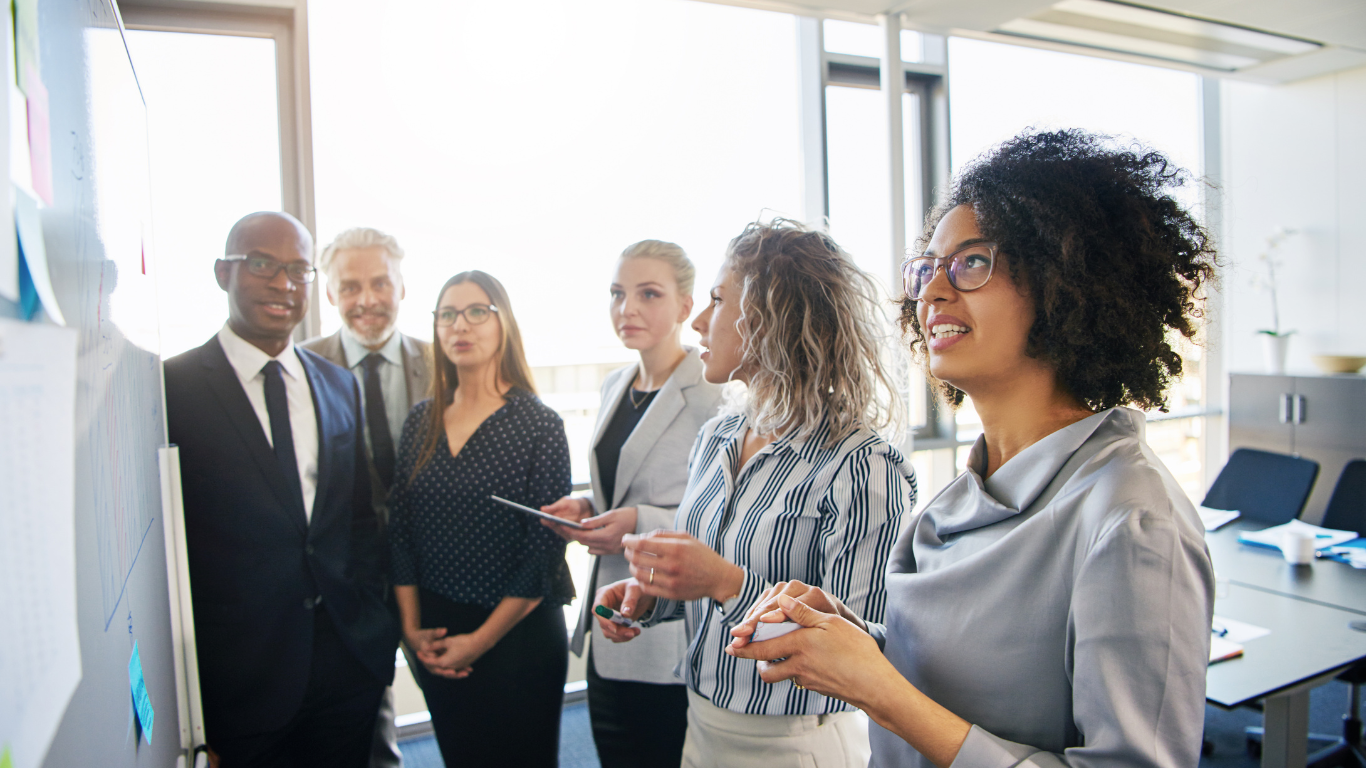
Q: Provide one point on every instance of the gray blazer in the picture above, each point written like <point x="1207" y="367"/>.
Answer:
<point x="417" y="371"/>
<point x="651" y="476"/>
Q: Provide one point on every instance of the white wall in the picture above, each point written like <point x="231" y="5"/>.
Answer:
<point x="1295" y="156"/>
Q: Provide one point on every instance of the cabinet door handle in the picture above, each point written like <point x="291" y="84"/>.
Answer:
<point x="1300" y="407"/>
<point x="1285" y="407"/>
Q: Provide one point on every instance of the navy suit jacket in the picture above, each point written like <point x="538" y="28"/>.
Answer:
<point x="257" y="564"/>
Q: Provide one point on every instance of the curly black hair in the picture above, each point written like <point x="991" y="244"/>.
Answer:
<point x="1110" y="258"/>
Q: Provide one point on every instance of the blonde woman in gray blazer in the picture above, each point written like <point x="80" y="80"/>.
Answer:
<point x="650" y="416"/>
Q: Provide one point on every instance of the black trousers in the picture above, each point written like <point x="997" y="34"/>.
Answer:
<point x="507" y="712"/>
<point x="334" y="725"/>
<point x="636" y="725"/>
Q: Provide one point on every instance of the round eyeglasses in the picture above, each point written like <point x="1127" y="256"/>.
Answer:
<point x="475" y="314"/>
<point x="967" y="268"/>
<point x="267" y="268"/>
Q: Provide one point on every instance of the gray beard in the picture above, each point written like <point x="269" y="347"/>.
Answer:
<point x="377" y="339"/>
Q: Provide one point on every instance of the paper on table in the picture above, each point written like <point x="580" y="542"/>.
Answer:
<point x="1214" y="519"/>
<point x="42" y="661"/>
<point x="33" y="251"/>
<point x="1238" y="631"/>
<point x="1221" y="649"/>
<point x="1273" y="536"/>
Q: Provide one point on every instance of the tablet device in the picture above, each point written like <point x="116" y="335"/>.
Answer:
<point x="538" y="513"/>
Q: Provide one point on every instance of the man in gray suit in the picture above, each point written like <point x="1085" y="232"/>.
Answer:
<point x="365" y="284"/>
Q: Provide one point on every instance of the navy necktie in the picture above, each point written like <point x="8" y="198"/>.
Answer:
<point x="377" y="419"/>
<point x="281" y="434"/>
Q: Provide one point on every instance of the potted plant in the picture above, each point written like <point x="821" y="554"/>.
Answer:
<point x="1275" y="342"/>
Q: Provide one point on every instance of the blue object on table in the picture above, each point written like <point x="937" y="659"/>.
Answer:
<point x="1266" y="487"/>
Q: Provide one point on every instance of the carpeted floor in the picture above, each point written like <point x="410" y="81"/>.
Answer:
<point x="1224" y="728"/>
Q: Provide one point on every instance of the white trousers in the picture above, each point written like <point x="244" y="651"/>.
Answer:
<point x="719" y="738"/>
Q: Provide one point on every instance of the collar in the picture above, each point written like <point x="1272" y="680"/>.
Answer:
<point x="971" y="502"/>
<point x="355" y="352"/>
<point x="248" y="359"/>
<point x="805" y="448"/>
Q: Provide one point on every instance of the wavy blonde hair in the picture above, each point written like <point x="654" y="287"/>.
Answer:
<point x="811" y="335"/>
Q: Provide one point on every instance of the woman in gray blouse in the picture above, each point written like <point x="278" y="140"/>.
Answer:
<point x="1052" y="605"/>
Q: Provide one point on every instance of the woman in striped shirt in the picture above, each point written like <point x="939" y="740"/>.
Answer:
<point x="789" y="482"/>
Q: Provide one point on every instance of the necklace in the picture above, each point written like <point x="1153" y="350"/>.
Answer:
<point x="645" y="398"/>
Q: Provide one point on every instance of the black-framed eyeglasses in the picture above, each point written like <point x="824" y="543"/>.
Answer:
<point x="968" y="269"/>
<point x="267" y="268"/>
<point x="475" y="314"/>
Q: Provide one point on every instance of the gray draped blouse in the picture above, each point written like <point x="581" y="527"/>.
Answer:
<point x="1062" y="606"/>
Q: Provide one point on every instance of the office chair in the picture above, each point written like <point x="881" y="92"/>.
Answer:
<point x="1265" y="487"/>
<point x="1347" y="511"/>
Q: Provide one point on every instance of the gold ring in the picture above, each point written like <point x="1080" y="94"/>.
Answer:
<point x="800" y="687"/>
<point x="652" y="576"/>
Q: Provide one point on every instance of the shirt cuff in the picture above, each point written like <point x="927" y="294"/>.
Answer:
<point x="983" y="750"/>
<point x="879" y="633"/>
<point x="663" y="610"/>
<point x="733" y="610"/>
<point x="401" y="569"/>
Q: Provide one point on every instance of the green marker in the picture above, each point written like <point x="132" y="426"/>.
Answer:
<point x="615" y="617"/>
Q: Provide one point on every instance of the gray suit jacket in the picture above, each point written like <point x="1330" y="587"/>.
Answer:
<point x="651" y="476"/>
<point x="417" y="370"/>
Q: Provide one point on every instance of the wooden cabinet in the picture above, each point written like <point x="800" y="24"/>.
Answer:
<point x="1318" y="417"/>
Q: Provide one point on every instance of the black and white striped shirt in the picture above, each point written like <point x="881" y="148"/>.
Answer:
<point x="826" y="516"/>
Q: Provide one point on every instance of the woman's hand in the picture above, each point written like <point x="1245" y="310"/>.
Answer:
<point x="830" y="655"/>
<point x="677" y="566"/>
<point x="451" y="657"/>
<point x="833" y="657"/>
<point x="767" y="609"/>
<point x="604" y="538"/>
<point x="567" y="508"/>
<point x="624" y="596"/>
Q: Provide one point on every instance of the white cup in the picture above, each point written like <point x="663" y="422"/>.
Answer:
<point x="1298" y="547"/>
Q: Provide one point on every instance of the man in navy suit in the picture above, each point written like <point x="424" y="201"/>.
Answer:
<point x="294" y="643"/>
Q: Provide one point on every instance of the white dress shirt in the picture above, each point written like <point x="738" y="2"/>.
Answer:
<point x="248" y="360"/>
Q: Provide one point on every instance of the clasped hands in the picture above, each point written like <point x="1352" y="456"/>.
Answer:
<point x="449" y="657"/>
<point x="832" y="654"/>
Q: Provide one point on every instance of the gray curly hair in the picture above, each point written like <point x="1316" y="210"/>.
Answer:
<point x="811" y="335"/>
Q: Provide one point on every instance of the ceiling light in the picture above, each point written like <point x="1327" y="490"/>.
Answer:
<point x="1133" y="29"/>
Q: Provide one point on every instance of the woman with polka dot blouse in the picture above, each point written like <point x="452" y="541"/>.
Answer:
<point x="479" y="585"/>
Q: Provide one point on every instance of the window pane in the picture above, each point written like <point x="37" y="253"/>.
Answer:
<point x="1000" y="90"/>
<point x="213" y="126"/>
<point x="866" y="40"/>
<point x="538" y="150"/>
<point x="859" y="185"/>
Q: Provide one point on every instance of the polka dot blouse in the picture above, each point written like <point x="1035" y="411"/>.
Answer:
<point x="446" y="535"/>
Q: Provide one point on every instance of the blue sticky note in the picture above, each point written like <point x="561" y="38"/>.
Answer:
<point x="141" y="703"/>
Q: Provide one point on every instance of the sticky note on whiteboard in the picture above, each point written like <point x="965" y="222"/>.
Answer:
<point x="141" y="703"/>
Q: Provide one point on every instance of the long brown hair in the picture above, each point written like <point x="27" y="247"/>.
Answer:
<point x="513" y="368"/>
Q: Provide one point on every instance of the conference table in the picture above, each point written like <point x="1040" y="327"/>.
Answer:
<point x="1309" y="610"/>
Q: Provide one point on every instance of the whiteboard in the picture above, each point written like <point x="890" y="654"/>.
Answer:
<point x="102" y="263"/>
